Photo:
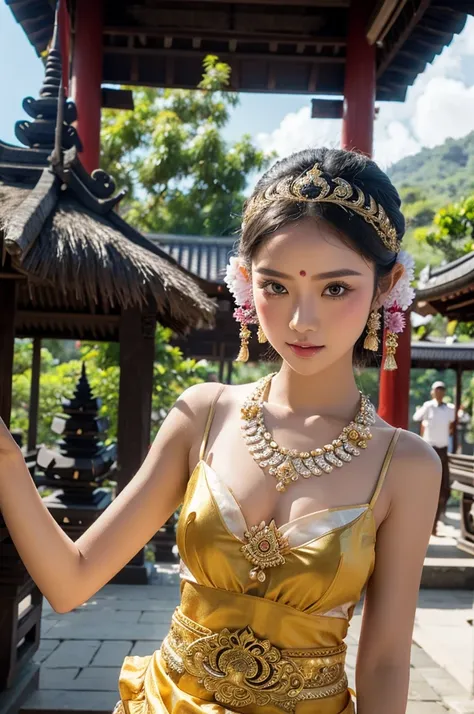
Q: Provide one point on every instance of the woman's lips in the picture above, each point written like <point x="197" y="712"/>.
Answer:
<point x="306" y="352"/>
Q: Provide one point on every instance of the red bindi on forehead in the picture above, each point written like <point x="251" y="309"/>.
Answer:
<point x="302" y="273"/>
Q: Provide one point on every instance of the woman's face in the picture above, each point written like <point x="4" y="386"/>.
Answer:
<point x="311" y="288"/>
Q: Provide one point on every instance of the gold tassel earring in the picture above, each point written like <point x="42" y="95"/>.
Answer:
<point x="244" y="344"/>
<point x="391" y="344"/>
<point x="371" y="341"/>
<point x="261" y="336"/>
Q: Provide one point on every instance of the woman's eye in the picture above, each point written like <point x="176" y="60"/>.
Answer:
<point x="274" y="288"/>
<point x="336" y="290"/>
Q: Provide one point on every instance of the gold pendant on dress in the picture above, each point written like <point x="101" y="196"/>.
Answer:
<point x="264" y="548"/>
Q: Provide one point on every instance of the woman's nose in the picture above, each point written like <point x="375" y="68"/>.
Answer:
<point x="304" y="319"/>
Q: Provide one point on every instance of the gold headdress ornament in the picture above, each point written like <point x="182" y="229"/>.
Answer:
<point x="313" y="187"/>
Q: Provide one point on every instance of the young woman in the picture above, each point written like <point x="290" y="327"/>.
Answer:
<point x="295" y="495"/>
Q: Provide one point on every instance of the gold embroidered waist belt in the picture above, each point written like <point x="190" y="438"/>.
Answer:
<point x="239" y="669"/>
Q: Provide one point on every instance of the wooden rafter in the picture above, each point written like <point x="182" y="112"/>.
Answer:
<point x="417" y="31"/>
<point x="247" y="36"/>
<point x="380" y="19"/>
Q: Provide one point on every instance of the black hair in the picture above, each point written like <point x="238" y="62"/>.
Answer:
<point x="356" y="169"/>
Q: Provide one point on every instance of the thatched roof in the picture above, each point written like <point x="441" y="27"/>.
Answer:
<point x="99" y="263"/>
<point x="60" y="230"/>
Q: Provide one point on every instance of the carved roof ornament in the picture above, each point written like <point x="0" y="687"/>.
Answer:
<point x="40" y="133"/>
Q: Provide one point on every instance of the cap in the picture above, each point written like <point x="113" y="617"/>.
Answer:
<point x="438" y="385"/>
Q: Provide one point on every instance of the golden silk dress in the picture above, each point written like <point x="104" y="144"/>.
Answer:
<point x="256" y="646"/>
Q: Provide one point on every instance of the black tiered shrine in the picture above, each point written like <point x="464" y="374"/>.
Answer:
<point x="82" y="463"/>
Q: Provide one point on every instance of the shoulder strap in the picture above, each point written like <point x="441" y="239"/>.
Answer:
<point x="385" y="466"/>
<point x="207" y="428"/>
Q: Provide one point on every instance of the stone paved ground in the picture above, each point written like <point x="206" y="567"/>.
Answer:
<point x="444" y="619"/>
<point x="81" y="652"/>
<point x="443" y="628"/>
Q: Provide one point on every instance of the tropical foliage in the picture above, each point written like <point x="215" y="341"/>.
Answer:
<point x="181" y="174"/>
<point x="172" y="375"/>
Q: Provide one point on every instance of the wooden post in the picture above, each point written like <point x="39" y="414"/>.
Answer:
<point x="359" y="82"/>
<point x="65" y="39"/>
<point x="137" y="353"/>
<point x="87" y="77"/>
<point x="457" y="407"/>
<point x="394" y="388"/>
<point x="221" y="361"/>
<point x="357" y="134"/>
<point x="8" y="292"/>
<point x="34" y="395"/>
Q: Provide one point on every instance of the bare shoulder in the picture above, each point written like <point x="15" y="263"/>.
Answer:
<point x="199" y="397"/>
<point x="416" y="467"/>
<point x="415" y="450"/>
<point x="197" y="400"/>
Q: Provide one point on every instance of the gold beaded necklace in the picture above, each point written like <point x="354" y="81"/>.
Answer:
<point x="288" y="464"/>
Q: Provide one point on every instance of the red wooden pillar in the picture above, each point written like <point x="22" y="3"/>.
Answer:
<point x="394" y="387"/>
<point x="87" y="77"/>
<point x="357" y="134"/>
<point x="359" y="84"/>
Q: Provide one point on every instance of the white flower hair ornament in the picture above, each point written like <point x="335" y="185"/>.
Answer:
<point x="237" y="279"/>
<point x="395" y="304"/>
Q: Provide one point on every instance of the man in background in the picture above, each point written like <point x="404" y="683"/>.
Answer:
<point x="437" y="424"/>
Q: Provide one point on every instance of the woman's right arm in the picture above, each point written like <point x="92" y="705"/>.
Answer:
<point x="68" y="572"/>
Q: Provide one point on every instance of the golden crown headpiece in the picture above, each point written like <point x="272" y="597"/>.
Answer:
<point x="313" y="187"/>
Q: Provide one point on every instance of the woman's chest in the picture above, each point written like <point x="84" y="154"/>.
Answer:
<point x="310" y="562"/>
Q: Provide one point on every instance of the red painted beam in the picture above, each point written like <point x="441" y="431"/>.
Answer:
<point x="87" y="77"/>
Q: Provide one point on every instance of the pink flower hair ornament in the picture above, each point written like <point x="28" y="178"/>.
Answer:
<point x="395" y="305"/>
<point x="237" y="279"/>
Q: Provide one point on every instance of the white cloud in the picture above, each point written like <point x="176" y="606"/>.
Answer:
<point x="299" y="131"/>
<point x="464" y="42"/>
<point x="445" y="109"/>
<point x="393" y="141"/>
<point x="439" y="105"/>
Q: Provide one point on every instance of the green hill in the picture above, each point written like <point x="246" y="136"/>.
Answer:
<point x="427" y="182"/>
<point x="444" y="173"/>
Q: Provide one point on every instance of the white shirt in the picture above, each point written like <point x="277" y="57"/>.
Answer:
<point x="436" y="419"/>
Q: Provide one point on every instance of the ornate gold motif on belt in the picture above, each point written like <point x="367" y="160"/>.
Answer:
<point x="239" y="669"/>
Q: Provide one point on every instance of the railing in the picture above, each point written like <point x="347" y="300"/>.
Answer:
<point x="461" y="469"/>
<point x="20" y="621"/>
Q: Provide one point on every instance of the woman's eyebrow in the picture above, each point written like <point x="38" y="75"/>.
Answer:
<point x="343" y="272"/>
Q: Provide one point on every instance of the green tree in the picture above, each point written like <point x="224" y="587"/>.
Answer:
<point x="453" y="234"/>
<point x="419" y="211"/>
<point x="182" y="176"/>
<point x="171" y="376"/>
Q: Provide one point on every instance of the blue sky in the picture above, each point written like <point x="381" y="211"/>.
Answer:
<point x="440" y="103"/>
